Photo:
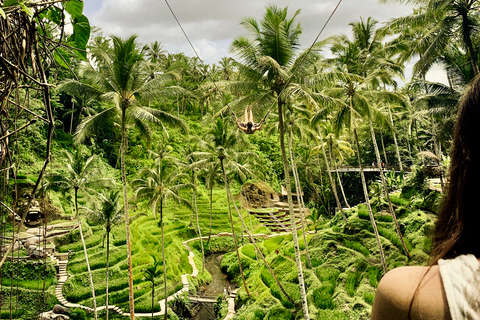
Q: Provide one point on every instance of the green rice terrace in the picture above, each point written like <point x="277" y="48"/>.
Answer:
<point x="282" y="182"/>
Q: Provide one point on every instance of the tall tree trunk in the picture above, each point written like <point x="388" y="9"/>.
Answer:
<point x="286" y="169"/>
<point x="153" y="295"/>
<point x="108" y="264"/>
<point x="394" y="133"/>
<point x="367" y="201"/>
<point x="71" y="117"/>
<point x="90" y="279"/>
<point x="298" y="189"/>
<point x="231" y="225"/>
<point x="341" y="185"/>
<point x="163" y="259"/>
<point x="198" y="223"/>
<point x="332" y="181"/>
<point x="211" y="202"/>
<point x="258" y="252"/>
<point x="383" y="148"/>
<point x="127" y="219"/>
<point x="330" y="152"/>
<point x="385" y="189"/>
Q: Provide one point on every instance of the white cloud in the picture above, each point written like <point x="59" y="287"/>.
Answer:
<point x="211" y="25"/>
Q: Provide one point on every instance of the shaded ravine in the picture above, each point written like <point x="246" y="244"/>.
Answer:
<point x="215" y="288"/>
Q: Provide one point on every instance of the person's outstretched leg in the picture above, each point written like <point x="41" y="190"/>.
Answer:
<point x="251" y="115"/>
<point x="245" y="121"/>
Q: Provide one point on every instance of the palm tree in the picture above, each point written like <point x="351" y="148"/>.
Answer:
<point x="368" y="65"/>
<point x="79" y="177"/>
<point x="297" y="119"/>
<point x="220" y="152"/>
<point x="189" y="159"/>
<point x="336" y="147"/>
<point x="109" y="215"/>
<point x="158" y="184"/>
<point x="315" y="121"/>
<point x="439" y="25"/>
<point x="118" y="80"/>
<point x="314" y="217"/>
<point x="271" y="61"/>
<point x="152" y="272"/>
<point x="155" y="52"/>
<point x="227" y="66"/>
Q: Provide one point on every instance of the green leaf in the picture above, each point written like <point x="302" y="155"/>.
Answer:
<point x="80" y="36"/>
<point x="27" y="10"/>
<point x="9" y="3"/>
<point x="59" y="54"/>
<point x="54" y="14"/>
<point x="2" y="13"/>
<point x="74" y="8"/>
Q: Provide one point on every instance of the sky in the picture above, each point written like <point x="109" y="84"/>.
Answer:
<point x="211" y="25"/>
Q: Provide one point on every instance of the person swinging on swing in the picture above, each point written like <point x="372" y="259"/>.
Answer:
<point x="248" y="126"/>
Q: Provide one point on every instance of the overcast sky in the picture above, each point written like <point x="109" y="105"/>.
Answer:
<point x="212" y="24"/>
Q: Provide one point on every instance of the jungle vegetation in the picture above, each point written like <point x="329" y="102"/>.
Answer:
<point x="144" y="152"/>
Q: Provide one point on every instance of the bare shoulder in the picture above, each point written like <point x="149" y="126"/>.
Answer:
<point x="399" y="286"/>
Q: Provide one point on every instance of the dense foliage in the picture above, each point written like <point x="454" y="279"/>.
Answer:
<point x="163" y="127"/>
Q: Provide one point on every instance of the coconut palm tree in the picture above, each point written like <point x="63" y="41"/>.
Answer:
<point x="219" y="146"/>
<point x="119" y="80"/>
<point x="157" y="185"/>
<point x="155" y="52"/>
<point x="110" y="214"/>
<point x="152" y="272"/>
<point x="370" y="67"/>
<point x="439" y="25"/>
<point x="192" y="170"/>
<point x="337" y="146"/>
<point x="276" y="71"/>
<point x="321" y="148"/>
<point x="297" y="121"/>
<point x="80" y="177"/>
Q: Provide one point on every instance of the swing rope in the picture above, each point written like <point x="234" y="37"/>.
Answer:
<point x="288" y="80"/>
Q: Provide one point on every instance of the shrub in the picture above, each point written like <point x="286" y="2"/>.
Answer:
<point x="357" y="246"/>
<point x="78" y="314"/>
<point x="279" y="312"/>
<point x="331" y="315"/>
<point x="363" y="212"/>
<point x="373" y="276"/>
<point x="249" y="251"/>
<point x="259" y="314"/>
<point x="267" y="278"/>
<point x="322" y="296"/>
<point x="368" y="297"/>
<point x="353" y="280"/>
<point x="28" y="270"/>
<point x="328" y="274"/>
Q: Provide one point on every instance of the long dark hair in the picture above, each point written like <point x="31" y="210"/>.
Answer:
<point x="457" y="230"/>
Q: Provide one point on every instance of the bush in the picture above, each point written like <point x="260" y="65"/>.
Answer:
<point x="28" y="270"/>
<point x="322" y="296"/>
<point x="357" y="246"/>
<point x="249" y="251"/>
<point x="353" y="280"/>
<point x="368" y="297"/>
<point x="328" y="274"/>
<point x="279" y="312"/>
<point x="331" y="315"/>
<point x="373" y="276"/>
<point x="78" y="314"/>
<point x="363" y="212"/>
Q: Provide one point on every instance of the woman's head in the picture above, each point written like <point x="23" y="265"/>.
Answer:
<point x="457" y="230"/>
